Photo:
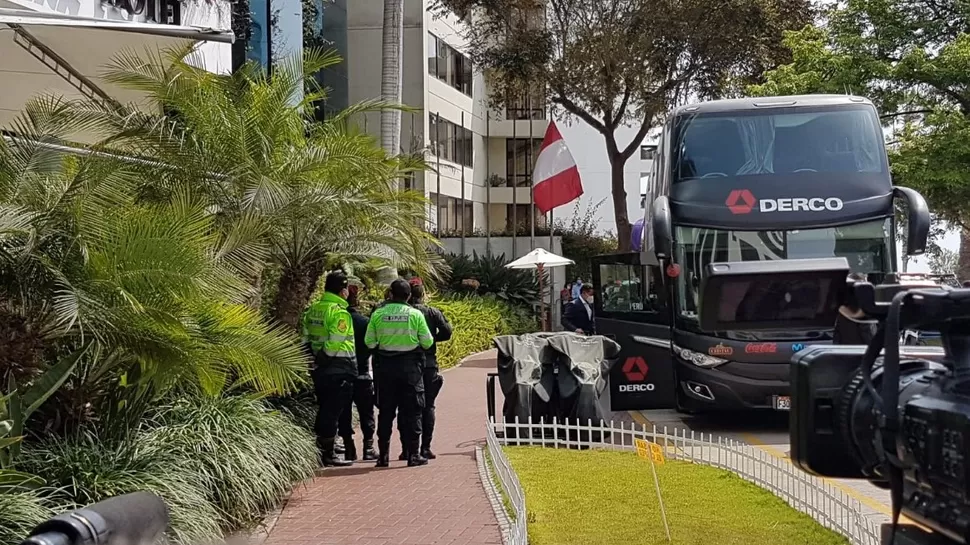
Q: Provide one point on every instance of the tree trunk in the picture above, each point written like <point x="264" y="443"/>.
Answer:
<point x="623" y="228"/>
<point x="296" y="286"/>
<point x="963" y="265"/>
<point x="391" y="42"/>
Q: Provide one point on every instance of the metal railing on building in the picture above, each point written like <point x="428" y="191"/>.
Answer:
<point x="811" y="495"/>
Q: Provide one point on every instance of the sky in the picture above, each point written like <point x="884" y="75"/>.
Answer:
<point x="589" y="151"/>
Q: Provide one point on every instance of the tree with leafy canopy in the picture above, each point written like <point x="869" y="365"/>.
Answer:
<point x="289" y="191"/>
<point x="911" y="59"/>
<point x="944" y="262"/>
<point x="613" y="63"/>
<point x="109" y="300"/>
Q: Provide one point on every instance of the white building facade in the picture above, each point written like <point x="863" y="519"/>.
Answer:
<point x="60" y="47"/>
<point x="481" y="158"/>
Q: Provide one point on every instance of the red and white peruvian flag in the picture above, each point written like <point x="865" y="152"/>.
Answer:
<point x="555" y="177"/>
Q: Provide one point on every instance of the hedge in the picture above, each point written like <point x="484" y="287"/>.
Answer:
<point x="475" y="321"/>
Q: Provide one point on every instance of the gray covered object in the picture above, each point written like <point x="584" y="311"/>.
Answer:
<point x="584" y="365"/>
<point x="527" y="389"/>
<point x="554" y="375"/>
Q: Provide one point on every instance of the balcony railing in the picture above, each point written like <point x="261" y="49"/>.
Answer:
<point x="529" y="107"/>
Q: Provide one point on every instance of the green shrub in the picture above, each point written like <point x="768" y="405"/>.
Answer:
<point x="300" y="406"/>
<point x="476" y="320"/>
<point x="20" y="512"/>
<point x="85" y="470"/>
<point x="517" y="286"/>
<point x="250" y="455"/>
<point x="219" y="464"/>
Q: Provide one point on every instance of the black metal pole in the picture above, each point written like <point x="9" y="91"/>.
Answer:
<point x="437" y="154"/>
<point x="462" y="163"/>
<point x="515" y="166"/>
<point x="530" y="159"/>
<point x="488" y="189"/>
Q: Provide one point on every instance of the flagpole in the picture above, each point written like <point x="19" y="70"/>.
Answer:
<point x="515" y="168"/>
<point x="462" y="165"/>
<point x="552" y="230"/>
<point x="437" y="154"/>
<point x="488" y="188"/>
<point x="532" y="196"/>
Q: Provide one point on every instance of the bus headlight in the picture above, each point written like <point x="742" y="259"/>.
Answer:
<point x="698" y="359"/>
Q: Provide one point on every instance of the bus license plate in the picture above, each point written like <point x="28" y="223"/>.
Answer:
<point x="781" y="403"/>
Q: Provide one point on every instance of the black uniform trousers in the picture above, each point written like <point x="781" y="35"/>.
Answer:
<point x="363" y="399"/>
<point x="400" y="389"/>
<point x="334" y="392"/>
<point x="432" y="381"/>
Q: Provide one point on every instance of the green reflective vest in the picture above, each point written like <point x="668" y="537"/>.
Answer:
<point x="328" y="327"/>
<point x="397" y="328"/>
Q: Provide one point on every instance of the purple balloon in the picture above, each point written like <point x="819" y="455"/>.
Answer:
<point x="637" y="236"/>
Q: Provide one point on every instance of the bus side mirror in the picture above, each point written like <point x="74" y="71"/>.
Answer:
<point x="918" y="219"/>
<point x="661" y="226"/>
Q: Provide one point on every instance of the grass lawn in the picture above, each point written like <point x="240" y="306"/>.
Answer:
<point x="598" y="497"/>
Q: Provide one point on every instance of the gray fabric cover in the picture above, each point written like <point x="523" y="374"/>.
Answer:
<point x="584" y="365"/>
<point x="527" y="367"/>
<point x="526" y="381"/>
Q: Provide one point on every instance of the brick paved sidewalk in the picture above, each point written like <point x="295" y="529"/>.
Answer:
<point x="442" y="503"/>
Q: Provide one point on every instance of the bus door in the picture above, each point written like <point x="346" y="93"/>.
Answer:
<point x="632" y="308"/>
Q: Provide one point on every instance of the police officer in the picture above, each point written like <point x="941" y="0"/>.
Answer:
<point x="398" y="333"/>
<point x="328" y="330"/>
<point x="363" y="396"/>
<point x="440" y="331"/>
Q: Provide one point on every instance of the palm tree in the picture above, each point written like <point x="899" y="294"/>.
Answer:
<point x="285" y="188"/>
<point x="392" y="44"/>
<point x="145" y="292"/>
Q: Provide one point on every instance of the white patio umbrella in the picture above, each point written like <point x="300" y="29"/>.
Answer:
<point x="539" y="259"/>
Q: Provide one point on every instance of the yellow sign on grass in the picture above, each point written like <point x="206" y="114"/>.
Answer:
<point x="647" y="450"/>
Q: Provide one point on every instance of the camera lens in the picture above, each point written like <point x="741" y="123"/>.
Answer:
<point x="857" y="412"/>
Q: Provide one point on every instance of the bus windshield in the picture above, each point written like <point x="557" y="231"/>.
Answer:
<point x="867" y="246"/>
<point x="845" y="140"/>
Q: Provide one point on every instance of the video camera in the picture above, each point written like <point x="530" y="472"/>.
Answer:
<point x="897" y="416"/>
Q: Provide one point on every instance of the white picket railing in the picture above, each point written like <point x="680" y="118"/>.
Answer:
<point x="825" y="503"/>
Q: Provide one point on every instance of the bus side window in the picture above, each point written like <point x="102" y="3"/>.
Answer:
<point x="654" y="295"/>
<point x="630" y="288"/>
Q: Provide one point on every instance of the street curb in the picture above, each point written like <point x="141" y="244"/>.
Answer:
<point x="462" y="361"/>
<point x="492" y="493"/>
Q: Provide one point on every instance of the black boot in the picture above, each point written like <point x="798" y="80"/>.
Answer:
<point x="327" y="455"/>
<point x="369" y="452"/>
<point x="404" y="450"/>
<point x="414" y="458"/>
<point x="426" y="446"/>
<point x="350" y="449"/>
<point x="384" y="457"/>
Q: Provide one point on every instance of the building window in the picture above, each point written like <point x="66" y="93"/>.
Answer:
<point x="450" y="216"/>
<point x="259" y="36"/>
<point x="647" y="152"/>
<point x="451" y="142"/>
<point x="520" y="216"/>
<point x="520" y="159"/>
<point x="449" y="65"/>
<point x="530" y="105"/>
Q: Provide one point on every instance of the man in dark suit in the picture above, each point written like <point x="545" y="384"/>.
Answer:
<point x="578" y="316"/>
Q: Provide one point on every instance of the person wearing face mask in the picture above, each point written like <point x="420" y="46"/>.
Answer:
<point x="578" y="316"/>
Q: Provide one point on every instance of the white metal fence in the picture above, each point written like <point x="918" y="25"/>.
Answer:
<point x="825" y="503"/>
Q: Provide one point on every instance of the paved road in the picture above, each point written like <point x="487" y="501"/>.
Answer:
<point x="442" y="503"/>
<point x="769" y="432"/>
